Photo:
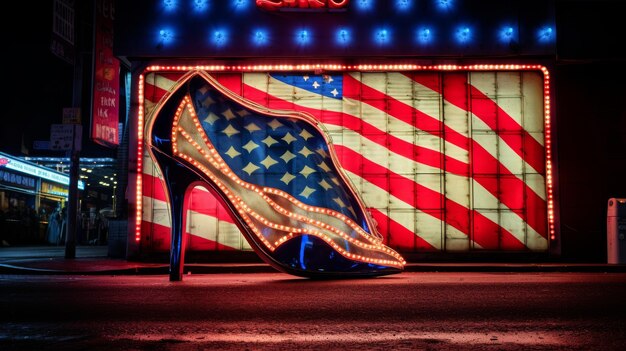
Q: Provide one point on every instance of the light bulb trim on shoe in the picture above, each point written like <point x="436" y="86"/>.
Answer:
<point x="246" y="212"/>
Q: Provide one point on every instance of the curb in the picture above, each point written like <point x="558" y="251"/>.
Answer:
<point x="8" y="268"/>
<point x="138" y="270"/>
<point x="517" y="268"/>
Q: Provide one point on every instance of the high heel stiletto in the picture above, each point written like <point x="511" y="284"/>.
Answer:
<point x="275" y="172"/>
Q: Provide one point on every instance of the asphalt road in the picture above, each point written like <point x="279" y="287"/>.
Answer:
<point x="409" y="311"/>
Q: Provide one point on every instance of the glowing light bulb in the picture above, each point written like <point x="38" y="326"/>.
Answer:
<point x="200" y="5"/>
<point x="260" y="37"/>
<point x="343" y="37"/>
<point x="463" y="35"/>
<point x="382" y="36"/>
<point x="545" y="35"/>
<point x="364" y="5"/>
<point x="424" y="36"/>
<point x="303" y="37"/>
<point x="445" y="5"/>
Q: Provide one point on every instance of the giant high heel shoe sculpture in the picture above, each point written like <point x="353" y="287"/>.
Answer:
<point x="275" y="172"/>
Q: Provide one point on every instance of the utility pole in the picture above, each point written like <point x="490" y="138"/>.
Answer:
<point x="72" y="203"/>
<point x="74" y="152"/>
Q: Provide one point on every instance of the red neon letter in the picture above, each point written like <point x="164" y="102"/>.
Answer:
<point x="277" y="5"/>
<point x="335" y="4"/>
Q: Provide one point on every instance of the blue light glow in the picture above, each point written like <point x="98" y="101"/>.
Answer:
<point x="507" y="35"/>
<point x="303" y="37"/>
<point x="424" y="35"/>
<point x="382" y="36"/>
<point x="404" y="5"/>
<point x="463" y="35"/>
<point x="260" y="37"/>
<point x="165" y="36"/>
<point x="170" y="5"/>
<point x="343" y="37"/>
<point x="545" y="35"/>
<point x="364" y="5"/>
<point x="38" y="171"/>
<point x="303" y="246"/>
<point x="219" y="37"/>
<point x="200" y="5"/>
<point x="445" y="5"/>
<point x="240" y="5"/>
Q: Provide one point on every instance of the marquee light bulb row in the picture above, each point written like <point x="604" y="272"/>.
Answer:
<point x="341" y="67"/>
<point x="243" y="208"/>
<point x="549" y="166"/>
<point x="217" y="162"/>
<point x="343" y="37"/>
<point x="139" y="185"/>
<point x="551" y="212"/>
<point x="220" y="164"/>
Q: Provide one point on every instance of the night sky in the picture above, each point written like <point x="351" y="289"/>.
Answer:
<point x="38" y="84"/>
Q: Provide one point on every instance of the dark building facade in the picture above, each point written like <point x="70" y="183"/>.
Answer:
<point x="466" y="127"/>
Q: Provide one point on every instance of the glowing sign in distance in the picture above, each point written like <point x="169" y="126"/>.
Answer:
<point x="294" y="5"/>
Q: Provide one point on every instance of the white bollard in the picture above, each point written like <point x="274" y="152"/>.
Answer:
<point x="616" y="231"/>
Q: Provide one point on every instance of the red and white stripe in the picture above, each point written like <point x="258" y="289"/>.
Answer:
<point x="447" y="161"/>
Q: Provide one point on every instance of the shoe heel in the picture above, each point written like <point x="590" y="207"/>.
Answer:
<point x="179" y="180"/>
<point x="320" y="237"/>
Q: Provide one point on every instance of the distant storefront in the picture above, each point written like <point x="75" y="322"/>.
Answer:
<point x="29" y="195"/>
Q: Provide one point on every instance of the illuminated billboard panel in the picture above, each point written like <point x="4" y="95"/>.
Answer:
<point x="446" y="159"/>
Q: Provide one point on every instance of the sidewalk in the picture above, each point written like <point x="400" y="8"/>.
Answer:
<point x="93" y="260"/>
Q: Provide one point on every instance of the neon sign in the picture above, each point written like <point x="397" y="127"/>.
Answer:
<point x="30" y="169"/>
<point x="295" y="5"/>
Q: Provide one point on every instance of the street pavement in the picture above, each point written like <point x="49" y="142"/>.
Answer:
<point x="430" y="311"/>
<point x="94" y="260"/>
<point x="101" y="303"/>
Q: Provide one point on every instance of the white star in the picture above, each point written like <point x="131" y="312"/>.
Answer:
<point x="289" y="138"/>
<point x="306" y="192"/>
<point x="334" y="92"/>
<point x="287" y="156"/>
<point x="228" y="114"/>
<point x="211" y="118"/>
<point x="251" y="145"/>
<point x="268" y="162"/>
<point x="316" y="84"/>
<point x="207" y="102"/>
<point x="288" y="177"/>
<point x="325" y="184"/>
<point x="305" y="134"/>
<point x="306" y="78"/>
<point x="250" y="168"/>
<point x="305" y="152"/>
<point x="243" y="113"/>
<point x="339" y="202"/>
<point x="322" y="153"/>
<point x="232" y="152"/>
<point x="252" y="127"/>
<point x="306" y="171"/>
<point x="329" y="79"/>
<point x="275" y="124"/>
<point x="324" y="166"/>
<point x="269" y="141"/>
<point x="230" y="131"/>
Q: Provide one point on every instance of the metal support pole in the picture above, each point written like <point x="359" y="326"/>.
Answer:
<point x="72" y="204"/>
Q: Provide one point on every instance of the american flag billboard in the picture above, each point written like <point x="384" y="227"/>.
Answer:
<point x="445" y="160"/>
